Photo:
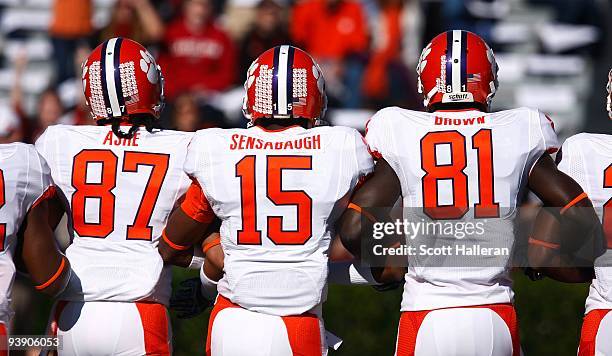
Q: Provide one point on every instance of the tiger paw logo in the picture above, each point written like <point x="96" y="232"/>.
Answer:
<point x="318" y="75"/>
<point x="147" y="65"/>
<point x="251" y="75"/>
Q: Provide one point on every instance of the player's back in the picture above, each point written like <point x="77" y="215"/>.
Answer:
<point x="455" y="168"/>
<point x="24" y="179"/>
<point x="278" y="194"/>
<point x="588" y="159"/>
<point x="119" y="193"/>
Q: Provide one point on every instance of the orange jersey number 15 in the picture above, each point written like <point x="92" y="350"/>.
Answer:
<point x="249" y="234"/>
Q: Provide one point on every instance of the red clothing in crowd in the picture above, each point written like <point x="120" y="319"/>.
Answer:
<point x="329" y="30"/>
<point x="197" y="61"/>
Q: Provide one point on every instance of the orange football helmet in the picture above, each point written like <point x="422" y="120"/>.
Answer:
<point x="284" y="82"/>
<point x="457" y="67"/>
<point x="121" y="78"/>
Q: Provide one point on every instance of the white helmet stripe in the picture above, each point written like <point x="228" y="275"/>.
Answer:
<point x="283" y="59"/>
<point x="109" y="74"/>
<point x="456" y="61"/>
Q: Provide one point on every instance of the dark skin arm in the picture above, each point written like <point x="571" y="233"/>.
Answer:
<point x="381" y="190"/>
<point x="56" y="211"/>
<point x="184" y="231"/>
<point x="549" y="260"/>
<point x="40" y="253"/>
<point x="214" y="262"/>
<point x="575" y="228"/>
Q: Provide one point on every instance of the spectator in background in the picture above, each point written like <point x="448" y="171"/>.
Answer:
<point x="134" y="19"/>
<point x="10" y="128"/>
<point x="198" y="56"/>
<point x="71" y="93"/>
<point x="70" y="25"/>
<point x="187" y="115"/>
<point x="335" y="33"/>
<point x="49" y="112"/>
<point x="387" y="81"/>
<point x="267" y="31"/>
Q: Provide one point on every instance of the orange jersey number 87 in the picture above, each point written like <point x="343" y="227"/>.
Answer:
<point x="103" y="191"/>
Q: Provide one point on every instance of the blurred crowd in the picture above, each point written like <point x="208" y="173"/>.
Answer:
<point x="367" y="49"/>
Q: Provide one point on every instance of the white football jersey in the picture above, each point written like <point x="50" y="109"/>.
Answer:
<point x="461" y="166"/>
<point x="278" y="195"/>
<point x="588" y="159"/>
<point x="119" y="194"/>
<point x="24" y="179"/>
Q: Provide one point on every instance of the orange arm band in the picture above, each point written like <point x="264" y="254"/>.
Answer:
<point x="54" y="277"/>
<point x="358" y="209"/>
<point x="575" y="201"/>
<point x="550" y="245"/>
<point x="172" y="244"/>
<point x="207" y="246"/>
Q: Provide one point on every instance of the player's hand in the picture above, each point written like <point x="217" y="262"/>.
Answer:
<point x="188" y="301"/>
<point x="385" y="287"/>
<point x="533" y="274"/>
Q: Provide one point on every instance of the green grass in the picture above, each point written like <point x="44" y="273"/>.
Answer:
<point x="550" y="316"/>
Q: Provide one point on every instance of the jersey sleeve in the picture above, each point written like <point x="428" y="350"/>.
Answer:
<point x="376" y="135"/>
<point x="544" y="138"/>
<point x="40" y="185"/>
<point x="571" y="162"/>
<point x="550" y="142"/>
<point x="196" y="205"/>
<point x="379" y="135"/>
<point x="200" y="149"/>
<point x="192" y="159"/>
<point x="365" y="163"/>
<point x="43" y="145"/>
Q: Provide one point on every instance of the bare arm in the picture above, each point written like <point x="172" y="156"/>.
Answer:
<point x="152" y="25"/>
<point x="546" y="256"/>
<point x="180" y="236"/>
<point x="186" y="227"/>
<point x="48" y="268"/>
<point x="214" y="262"/>
<point x="56" y="211"/>
<point x="380" y="191"/>
<point x="571" y="227"/>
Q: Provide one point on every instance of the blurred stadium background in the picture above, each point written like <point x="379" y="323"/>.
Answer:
<point x="553" y="55"/>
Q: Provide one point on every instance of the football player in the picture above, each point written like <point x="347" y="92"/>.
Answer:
<point x="118" y="180"/>
<point x="278" y="188"/>
<point x="588" y="159"/>
<point x="25" y="188"/>
<point x="460" y="162"/>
